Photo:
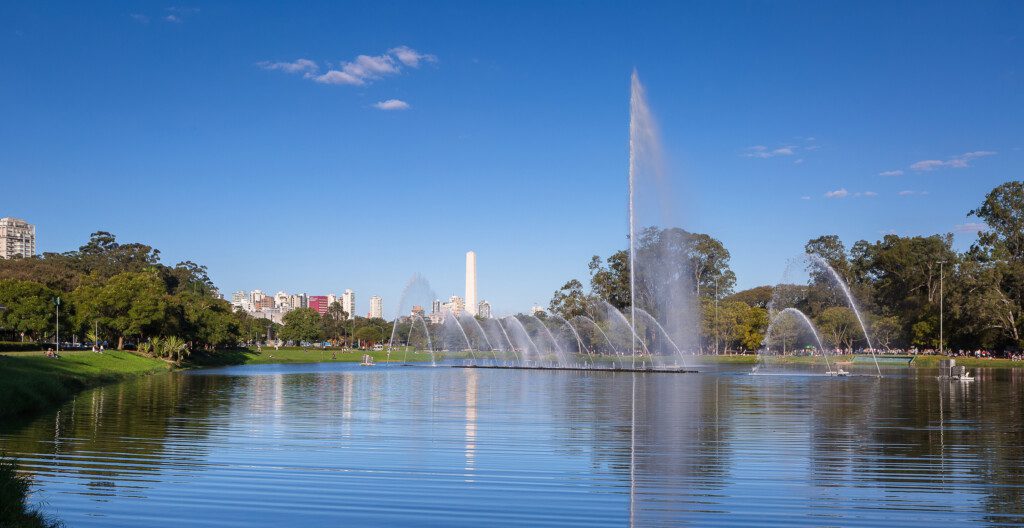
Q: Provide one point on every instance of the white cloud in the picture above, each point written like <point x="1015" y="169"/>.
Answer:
<point x="838" y="193"/>
<point x="173" y="18"/>
<point x="805" y="197"/>
<point x="392" y="104"/>
<point x="358" y="72"/>
<point x="798" y="161"/>
<point x="338" y="77"/>
<point x="969" y="227"/>
<point x="761" y="151"/>
<point x="868" y="193"/>
<point x="956" y="162"/>
<point x="896" y="172"/>
<point x="411" y="57"/>
<point x="140" y="18"/>
<point x="300" y="65"/>
<point x="912" y="193"/>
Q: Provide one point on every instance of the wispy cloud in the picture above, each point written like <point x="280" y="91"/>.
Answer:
<point x="761" y="151"/>
<point x="411" y="57"/>
<point x="360" y="71"/>
<point x="838" y="193"/>
<point x="868" y="194"/>
<point x="896" y="172"/>
<point x="956" y="162"/>
<point x="140" y="18"/>
<point x="300" y="65"/>
<point x="805" y="197"/>
<point x="177" y="14"/>
<point x="969" y="228"/>
<point x="912" y="193"/>
<point x="392" y="104"/>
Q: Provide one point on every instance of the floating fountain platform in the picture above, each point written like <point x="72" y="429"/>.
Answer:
<point x="660" y="370"/>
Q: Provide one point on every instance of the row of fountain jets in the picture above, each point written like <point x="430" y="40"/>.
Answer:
<point x="606" y="337"/>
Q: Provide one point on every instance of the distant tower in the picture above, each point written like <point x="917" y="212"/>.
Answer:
<point x="471" y="306"/>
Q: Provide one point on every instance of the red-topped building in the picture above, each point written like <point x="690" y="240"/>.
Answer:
<point x="318" y="303"/>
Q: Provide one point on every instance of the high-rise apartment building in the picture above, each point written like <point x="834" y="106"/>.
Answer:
<point x="484" y="309"/>
<point x="17" y="238"/>
<point x="455" y="305"/>
<point x="471" y="282"/>
<point x="348" y="303"/>
<point x="283" y="301"/>
<point x="376" y="307"/>
<point x="298" y="300"/>
<point x="331" y="299"/>
<point x="416" y="310"/>
<point x="256" y="297"/>
<point x="318" y="303"/>
<point x="238" y="297"/>
<point x="435" y="307"/>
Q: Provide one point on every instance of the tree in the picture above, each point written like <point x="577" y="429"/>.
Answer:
<point x="839" y="326"/>
<point x="760" y="297"/>
<point x="301" y="324"/>
<point x="1000" y="250"/>
<point x="128" y="304"/>
<point x="610" y="281"/>
<point x="30" y="309"/>
<point x="369" y="335"/>
<point x="886" y="330"/>
<point x="569" y="301"/>
<point x="333" y="323"/>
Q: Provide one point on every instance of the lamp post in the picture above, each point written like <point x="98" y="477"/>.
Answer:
<point x="941" y="336"/>
<point x="58" y="325"/>
<point x="716" y="316"/>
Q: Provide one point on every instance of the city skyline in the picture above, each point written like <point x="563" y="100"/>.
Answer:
<point x="463" y="113"/>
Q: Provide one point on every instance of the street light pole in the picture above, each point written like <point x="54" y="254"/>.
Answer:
<point x="941" y="336"/>
<point x="58" y="325"/>
<point x="716" y="316"/>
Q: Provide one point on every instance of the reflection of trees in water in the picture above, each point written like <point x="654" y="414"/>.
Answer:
<point x="114" y="435"/>
<point x="924" y="436"/>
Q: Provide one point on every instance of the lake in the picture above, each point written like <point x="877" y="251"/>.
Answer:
<point x="339" y="444"/>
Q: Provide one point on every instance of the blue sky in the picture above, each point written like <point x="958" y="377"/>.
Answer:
<point x="193" y="127"/>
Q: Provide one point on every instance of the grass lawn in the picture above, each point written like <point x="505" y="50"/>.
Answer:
<point x="316" y="355"/>
<point x="31" y="382"/>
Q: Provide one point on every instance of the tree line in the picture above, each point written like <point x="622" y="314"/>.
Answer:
<point x="895" y="280"/>
<point x="120" y="294"/>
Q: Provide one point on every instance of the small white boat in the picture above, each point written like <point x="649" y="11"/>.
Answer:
<point x="837" y="372"/>
<point x="367" y="361"/>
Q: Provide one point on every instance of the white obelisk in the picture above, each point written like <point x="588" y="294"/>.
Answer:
<point x="471" y="283"/>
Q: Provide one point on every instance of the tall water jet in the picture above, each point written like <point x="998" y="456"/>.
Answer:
<point x="592" y="323"/>
<point x="661" y="282"/>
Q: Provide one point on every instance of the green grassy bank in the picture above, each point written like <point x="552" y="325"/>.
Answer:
<point x="31" y="382"/>
<point x="307" y="355"/>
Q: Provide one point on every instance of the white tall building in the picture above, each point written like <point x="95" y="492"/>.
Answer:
<point x="17" y="238"/>
<point x="238" y="297"/>
<point x="348" y="303"/>
<point x="471" y="282"/>
<point x="484" y="309"/>
<point x="376" y="307"/>
<point x="455" y="305"/>
<point x="331" y="299"/>
<point x="283" y="301"/>
<point x="256" y="297"/>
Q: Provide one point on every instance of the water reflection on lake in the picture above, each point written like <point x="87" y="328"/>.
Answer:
<point x="332" y="444"/>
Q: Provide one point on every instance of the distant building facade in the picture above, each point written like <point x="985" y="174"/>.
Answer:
<point x="376" y="307"/>
<point x="318" y="303"/>
<point x="17" y="238"/>
<point x="348" y="303"/>
<point x="417" y="310"/>
<point x="484" y="309"/>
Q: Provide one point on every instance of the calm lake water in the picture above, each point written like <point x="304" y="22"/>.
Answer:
<point x="335" y="444"/>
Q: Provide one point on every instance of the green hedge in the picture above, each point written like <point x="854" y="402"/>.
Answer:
<point x="16" y="346"/>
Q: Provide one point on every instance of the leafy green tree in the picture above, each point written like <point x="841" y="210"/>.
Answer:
<point x="1000" y="253"/>
<point x="839" y="326"/>
<point x="301" y="324"/>
<point x="334" y="323"/>
<point x="885" y="331"/>
<point x="569" y="301"/>
<point x="610" y="280"/>
<point x="369" y="335"/>
<point x="128" y="304"/>
<point x="30" y="309"/>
